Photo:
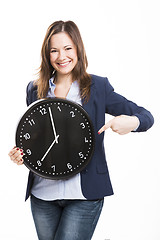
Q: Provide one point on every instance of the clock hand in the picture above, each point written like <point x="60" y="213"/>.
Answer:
<point x="53" y="126"/>
<point x="56" y="140"/>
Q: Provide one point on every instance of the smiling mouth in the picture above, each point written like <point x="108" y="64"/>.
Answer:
<point x="64" y="64"/>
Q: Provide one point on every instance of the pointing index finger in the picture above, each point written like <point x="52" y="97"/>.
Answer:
<point x="105" y="127"/>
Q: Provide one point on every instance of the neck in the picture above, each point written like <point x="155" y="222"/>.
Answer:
<point x="63" y="79"/>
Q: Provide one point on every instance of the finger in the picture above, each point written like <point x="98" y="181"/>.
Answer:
<point x="18" y="159"/>
<point x="16" y="154"/>
<point x="105" y="127"/>
<point x="20" y="162"/>
<point x="13" y="151"/>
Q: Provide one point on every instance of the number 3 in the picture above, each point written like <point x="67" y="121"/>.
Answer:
<point x="83" y="126"/>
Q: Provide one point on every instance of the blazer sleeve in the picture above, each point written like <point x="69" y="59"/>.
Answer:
<point x="116" y="105"/>
<point x="31" y="93"/>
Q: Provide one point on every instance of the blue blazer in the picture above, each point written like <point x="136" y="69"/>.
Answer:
<point x="95" y="179"/>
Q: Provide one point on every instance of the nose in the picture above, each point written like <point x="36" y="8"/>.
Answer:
<point x="62" y="55"/>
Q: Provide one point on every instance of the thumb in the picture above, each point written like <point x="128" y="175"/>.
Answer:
<point x="105" y="127"/>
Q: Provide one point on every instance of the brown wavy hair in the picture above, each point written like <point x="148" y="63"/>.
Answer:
<point x="79" y="72"/>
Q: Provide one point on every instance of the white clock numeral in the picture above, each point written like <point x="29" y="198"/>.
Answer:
<point x="72" y="114"/>
<point x="69" y="166"/>
<point x="59" y="108"/>
<point x="31" y="122"/>
<point x="39" y="163"/>
<point x="43" y="111"/>
<point x="81" y="155"/>
<point x="54" y="168"/>
<point x="28" y="151"/>
<point x="86" y="140"/>
<point x="83" y="125"/>
<point x="27" y="136"/>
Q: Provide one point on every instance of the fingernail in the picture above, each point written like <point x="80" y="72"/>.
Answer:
<point x="21" y="153"/>
<point x="21" y="150"/>
<point x="99" y="133"/>
<point x="17" y="149"/>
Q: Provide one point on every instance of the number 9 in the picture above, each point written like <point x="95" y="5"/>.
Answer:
<point x="28" y="151"/>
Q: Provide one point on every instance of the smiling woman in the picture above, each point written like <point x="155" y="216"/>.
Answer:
<point x="70" y="208"/>
<point x="63" y="51"/>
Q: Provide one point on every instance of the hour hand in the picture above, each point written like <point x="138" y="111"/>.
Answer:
<point x="53" y="126"/>
<point x="56" y="139"/>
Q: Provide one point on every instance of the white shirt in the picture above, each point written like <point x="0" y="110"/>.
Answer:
<point x="47" y="189"/>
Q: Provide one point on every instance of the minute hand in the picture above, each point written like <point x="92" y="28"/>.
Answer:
<point x="53" y="126"/>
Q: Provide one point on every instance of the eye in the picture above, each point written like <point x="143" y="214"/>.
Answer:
<point x="69" y="48"/>
<point x="53" y="50"/>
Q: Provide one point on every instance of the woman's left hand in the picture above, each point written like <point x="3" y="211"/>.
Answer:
<point x="122" y="124"/>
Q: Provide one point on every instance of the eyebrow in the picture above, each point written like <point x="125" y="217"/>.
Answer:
<point x="64" y="46"/>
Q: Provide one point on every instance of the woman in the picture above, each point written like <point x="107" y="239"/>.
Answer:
<point x="70" y="209"/>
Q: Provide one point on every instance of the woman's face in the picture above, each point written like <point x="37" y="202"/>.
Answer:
<point x="63" y="53"/>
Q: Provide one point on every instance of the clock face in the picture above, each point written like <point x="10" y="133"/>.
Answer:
<point x="57" y="138"/>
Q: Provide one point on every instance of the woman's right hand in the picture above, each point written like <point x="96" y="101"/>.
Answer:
<point x="16" y="155"/>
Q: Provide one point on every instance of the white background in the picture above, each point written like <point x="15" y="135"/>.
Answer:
<point x="122" y="41"/>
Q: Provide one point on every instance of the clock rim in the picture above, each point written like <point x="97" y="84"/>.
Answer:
<point x="55" y="99"/>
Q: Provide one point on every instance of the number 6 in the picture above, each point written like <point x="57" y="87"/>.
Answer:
<point x="69" y="165"/>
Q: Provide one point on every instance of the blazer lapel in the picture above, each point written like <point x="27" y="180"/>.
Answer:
<point x="88" y="107"/>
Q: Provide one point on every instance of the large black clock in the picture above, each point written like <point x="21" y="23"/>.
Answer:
<point x="57" y="138"/>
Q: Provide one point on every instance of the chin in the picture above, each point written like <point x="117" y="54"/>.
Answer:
<point x="65" y="72"/>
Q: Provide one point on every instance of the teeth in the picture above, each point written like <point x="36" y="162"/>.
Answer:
<point x="63" y="64"/>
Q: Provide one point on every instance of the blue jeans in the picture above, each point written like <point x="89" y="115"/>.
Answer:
<point x="65" y="219"/>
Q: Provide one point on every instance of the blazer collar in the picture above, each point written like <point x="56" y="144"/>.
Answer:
<point x="87" y="106"/>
